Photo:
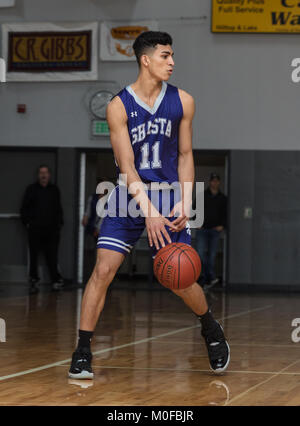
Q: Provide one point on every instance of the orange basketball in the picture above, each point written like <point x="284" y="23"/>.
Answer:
<point x="177" y="266"/>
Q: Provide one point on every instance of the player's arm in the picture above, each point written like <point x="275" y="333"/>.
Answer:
<point x="121" y="144"/>
<point x="186" y="171"/>
<point x="123" y="152"/>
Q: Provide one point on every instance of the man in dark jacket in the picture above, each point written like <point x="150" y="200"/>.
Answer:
<point x="41" y="213"/>
<point x="207" y="237"/>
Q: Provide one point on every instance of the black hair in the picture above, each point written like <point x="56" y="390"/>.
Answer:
<point x="149" y="40"/>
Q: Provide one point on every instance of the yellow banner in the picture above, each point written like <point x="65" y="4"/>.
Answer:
<point x="49" y="51"/>
<point x="256" y="16"/>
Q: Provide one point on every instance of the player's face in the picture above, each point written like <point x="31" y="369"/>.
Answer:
<point x="161" y="62"/>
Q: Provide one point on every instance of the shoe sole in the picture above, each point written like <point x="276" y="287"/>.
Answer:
<point x="83" y="375"/>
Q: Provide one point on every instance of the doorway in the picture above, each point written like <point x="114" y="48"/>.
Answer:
<point x="18" y="170"/>
<point x="207" y="162"/>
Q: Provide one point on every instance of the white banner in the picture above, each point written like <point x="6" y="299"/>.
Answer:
<point x="116" y="39"/>
<point x="7" y="3"/>
<point x="50" y="52"/>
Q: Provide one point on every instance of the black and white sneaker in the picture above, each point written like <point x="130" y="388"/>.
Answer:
<point x="81" y="365"/>
<point x="217" y="348"/>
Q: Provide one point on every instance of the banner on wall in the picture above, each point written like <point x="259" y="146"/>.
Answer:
<point x="7" y="3"/>
<point x="116" y="39"/>
<point x="50" y="52"/>
<point x="256" y="16"/>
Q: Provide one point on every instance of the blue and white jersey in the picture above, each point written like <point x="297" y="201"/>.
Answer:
<point x="154" y="133"/>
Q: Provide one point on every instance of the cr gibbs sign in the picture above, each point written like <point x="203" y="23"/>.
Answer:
<point x="256" y="16"/>
<point x="49" y="51"/>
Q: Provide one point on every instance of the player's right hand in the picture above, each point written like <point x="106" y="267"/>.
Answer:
<point x="156" y="230"/>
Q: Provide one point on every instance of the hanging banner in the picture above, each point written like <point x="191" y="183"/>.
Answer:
<point x="50" y="52"/>
<point x="7" y="3"/>
<point x="256" y="16"/>
<point x="116" y="39"/>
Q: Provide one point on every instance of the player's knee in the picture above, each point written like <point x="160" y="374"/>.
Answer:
<point x="103" y="272"/>
<point x="181" y="292"/>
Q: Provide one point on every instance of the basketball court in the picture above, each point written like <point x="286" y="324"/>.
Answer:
<point x="61" y="65"/>
<point x="148" y="351"/>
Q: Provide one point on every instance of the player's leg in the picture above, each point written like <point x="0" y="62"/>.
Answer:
<point x="212" y="332"/>
<point x="194" y="298"/>
<point x="107" y="265"/>
<point x="117" y="237"/>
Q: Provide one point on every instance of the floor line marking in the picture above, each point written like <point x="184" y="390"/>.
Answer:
<point x="252" y="345"/>
<point x="262" y="383"/>
<point x="187" y="370"/>
<point x="113" y="348"/>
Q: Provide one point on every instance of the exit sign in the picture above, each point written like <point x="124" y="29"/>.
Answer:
<point x="100" y="128"/>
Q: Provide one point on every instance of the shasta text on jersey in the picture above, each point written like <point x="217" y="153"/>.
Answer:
<point x="159" y="126"/>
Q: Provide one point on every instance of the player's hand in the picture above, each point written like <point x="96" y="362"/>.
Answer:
<point x="182" y="218"/>
<point x="156" y="230"/>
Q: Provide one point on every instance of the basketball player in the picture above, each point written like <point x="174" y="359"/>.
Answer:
<point x="150" y="125"/>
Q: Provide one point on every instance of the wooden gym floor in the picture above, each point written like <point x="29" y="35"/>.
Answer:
<point x="148" y="350"/>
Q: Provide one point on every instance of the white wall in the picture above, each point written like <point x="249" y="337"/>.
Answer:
<point x="244" y="94"/>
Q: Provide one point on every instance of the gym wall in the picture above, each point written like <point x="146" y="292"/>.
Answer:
<point x="242" y="83"/>
<point x="246" y="104"/>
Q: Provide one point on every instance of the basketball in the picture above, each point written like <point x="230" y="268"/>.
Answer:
<point x="177" y="266"/>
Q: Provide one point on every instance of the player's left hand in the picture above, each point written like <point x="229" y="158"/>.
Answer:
<point x="182" y="219"/>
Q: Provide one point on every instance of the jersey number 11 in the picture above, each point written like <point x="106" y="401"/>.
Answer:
<point x="155" y="163"/>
